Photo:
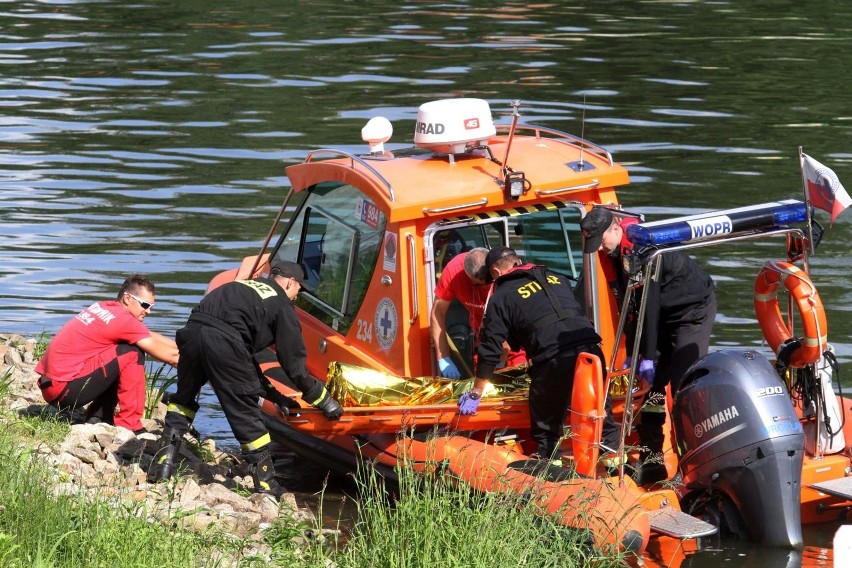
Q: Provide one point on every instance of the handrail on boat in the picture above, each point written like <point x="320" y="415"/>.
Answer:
<point x="547" y="192"/>
<point x="415" y="300"/>
<point x="438" y="210"/>
<point x="584" y="144"/>
<point x="354" y="159"/>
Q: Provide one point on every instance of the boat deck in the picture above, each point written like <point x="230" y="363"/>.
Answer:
<point x="841" y="488"/>
<point x="675" y="523"/>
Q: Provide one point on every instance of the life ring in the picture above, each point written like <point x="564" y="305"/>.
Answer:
<point x="587" y="413"/>
<point x="803" y="291"/>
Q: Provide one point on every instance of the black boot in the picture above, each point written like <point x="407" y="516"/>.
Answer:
<point x="165" y="460"/>
<point x="331" y="409"/>
<point x="263" y="473"/>
<point x="651" y="467"/>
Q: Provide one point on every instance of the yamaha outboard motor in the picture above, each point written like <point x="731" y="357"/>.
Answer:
<point x="738" y="436"/>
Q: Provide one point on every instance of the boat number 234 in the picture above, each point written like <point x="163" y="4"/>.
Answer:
<point x="365" y="331"/>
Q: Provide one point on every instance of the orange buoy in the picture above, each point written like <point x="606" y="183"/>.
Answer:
<point x="775" y="330"/>
<point x="587" y="413"/>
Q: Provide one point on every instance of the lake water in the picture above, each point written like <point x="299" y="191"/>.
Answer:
<point x="151" y="136"/>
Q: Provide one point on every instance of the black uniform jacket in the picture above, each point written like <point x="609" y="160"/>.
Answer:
<point x="520" y="312"/>
<point x="261" y="314"/>
<point x="682" y="287"/>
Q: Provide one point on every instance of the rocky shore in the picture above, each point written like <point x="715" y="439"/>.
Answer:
<point x="111" y="462"/>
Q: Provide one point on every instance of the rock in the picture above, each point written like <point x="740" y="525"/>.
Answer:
<point x="85" y="455"/>
<point x="190" y="491"/>
<point x="13" y="358"/>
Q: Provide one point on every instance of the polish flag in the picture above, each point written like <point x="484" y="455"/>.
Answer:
<point x="824" y="189"/>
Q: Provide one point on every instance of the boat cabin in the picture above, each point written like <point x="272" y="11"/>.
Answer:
<point x="375" y="230"/>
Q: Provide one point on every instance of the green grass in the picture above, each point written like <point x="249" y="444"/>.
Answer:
<point x="159" y="379"/>
<point x="41" y="344"/>
<point x="436" y="521"/>
<point x="38" y="528"/>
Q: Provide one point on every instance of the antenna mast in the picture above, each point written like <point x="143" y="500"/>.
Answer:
<point x="580" y="164"/>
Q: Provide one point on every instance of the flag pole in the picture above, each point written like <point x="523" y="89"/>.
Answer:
<point x="807" y="201"/>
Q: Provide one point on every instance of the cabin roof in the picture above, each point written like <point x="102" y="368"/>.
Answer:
<point x="414" y="186"/>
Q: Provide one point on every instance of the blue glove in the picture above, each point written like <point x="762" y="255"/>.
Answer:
<point x="469" y="402"/>
<point x="448" y="368"/>
<point x="646" y="371"/>
<point x="627" y="363"/>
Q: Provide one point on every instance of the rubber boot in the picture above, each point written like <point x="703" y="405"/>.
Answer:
<point x="331" y="409"/>
<point x="547" y="450"/>
<point x="263" y="473"/>
<point x="165" y="460"/>
<point x="651" y="467"/>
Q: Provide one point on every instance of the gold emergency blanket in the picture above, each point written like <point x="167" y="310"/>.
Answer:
<point x="351" y="385"/>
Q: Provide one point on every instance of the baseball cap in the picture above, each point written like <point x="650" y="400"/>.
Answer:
<point x="594" y="225"/>
<point x="496" y="254"/>
<point x="289" y="269"/>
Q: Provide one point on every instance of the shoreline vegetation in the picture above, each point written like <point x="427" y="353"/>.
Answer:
<point x="76" y="495"/>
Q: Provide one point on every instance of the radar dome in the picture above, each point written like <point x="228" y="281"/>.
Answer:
<point x="448" y="126"/>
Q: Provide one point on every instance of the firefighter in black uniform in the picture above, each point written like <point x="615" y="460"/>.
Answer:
<point x="534" y="308"/>
<point x="679" y="316"/>
<point x="224" y="332"/>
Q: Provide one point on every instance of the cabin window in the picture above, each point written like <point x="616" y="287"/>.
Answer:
<point x="540" y="236"/>
<point x="449" y="243"/>
<point x="336" y="235"/>
<point x="552" y="238"/>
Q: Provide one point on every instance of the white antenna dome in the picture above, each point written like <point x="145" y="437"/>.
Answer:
<point x="449" y="126"/>
<point x="376" y="132"/>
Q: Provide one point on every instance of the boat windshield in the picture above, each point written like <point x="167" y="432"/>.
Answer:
<point x="336" y="235"/>
<point x="549" y="236"/>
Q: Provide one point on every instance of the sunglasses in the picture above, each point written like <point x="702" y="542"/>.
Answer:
<point x="145" y="305"/>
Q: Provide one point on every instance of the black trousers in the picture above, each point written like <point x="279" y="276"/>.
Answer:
<point x="684" y="338"/>
<point x="100" y="389"/>
<point x="552" y="382"/>
<point x="208" y="354"/>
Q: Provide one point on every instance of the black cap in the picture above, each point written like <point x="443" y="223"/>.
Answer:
<point x="496" y="254"/>
<point x="594" y="225"/>
<point x="289" y="269"/>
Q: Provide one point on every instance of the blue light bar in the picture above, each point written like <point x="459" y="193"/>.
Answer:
<point x="717" y="223"/>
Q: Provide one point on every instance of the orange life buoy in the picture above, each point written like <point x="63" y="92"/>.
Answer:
<point x="803" y="291"/>
<point x="587" y="413"/>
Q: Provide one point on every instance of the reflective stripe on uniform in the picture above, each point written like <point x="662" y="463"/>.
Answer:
<point x="322" y="395"/>
<point x="182" y="410"/>
<point x="256" y="444"/>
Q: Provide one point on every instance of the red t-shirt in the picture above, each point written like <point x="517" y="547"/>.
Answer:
<point x="93" y="331"/>
<point x="455" y="283"/>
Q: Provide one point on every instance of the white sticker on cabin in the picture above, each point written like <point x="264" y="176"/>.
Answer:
<point x="386" y="323"/>
<point x="710" y="226"/>
<point x="390" y="251"/>
<point x="368" y="213"/>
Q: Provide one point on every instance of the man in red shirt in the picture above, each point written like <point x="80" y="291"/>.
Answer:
<point x="463" y="278"/>
<point x="98" y="357"/>
<point x="466" y="279"/>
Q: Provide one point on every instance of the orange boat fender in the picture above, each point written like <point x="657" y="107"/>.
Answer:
<point x="804" y="293"/>
<point x="587" y="413"/>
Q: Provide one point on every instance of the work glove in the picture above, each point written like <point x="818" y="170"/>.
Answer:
<point x="331" y="409"/>
<point x="448" y="368"/>
<point x="627" y="363"/>
<point x="284" y="404"/>
<point x="469" y="402"/>
<point x="646" y="371"/>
